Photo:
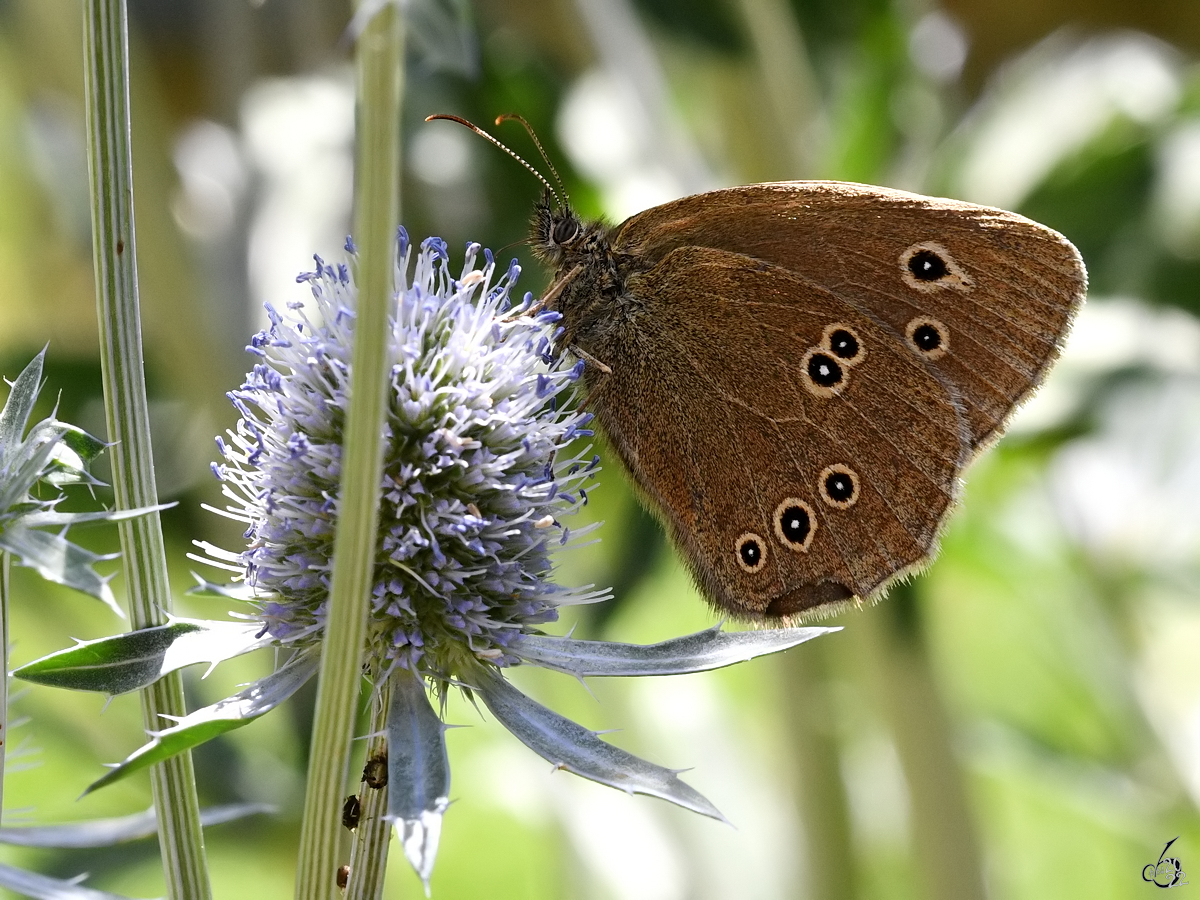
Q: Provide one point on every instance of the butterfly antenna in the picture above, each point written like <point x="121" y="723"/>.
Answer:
<point x="483" y="134"/>
<point x="533" y="136"/>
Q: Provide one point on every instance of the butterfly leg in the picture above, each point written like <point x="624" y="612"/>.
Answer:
<point x="589" y="359"/>
<point x="547" y="299"/>
<point x="601" y="367"/>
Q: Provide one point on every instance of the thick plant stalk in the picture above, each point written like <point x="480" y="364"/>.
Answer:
<point x="377" y="211"/>
<point x="824" y="807"/>
<point x="791" y="88"/>
<point x="5" y="598"/>
<point x="941" y="822"/>
<point x="110" y="168"/>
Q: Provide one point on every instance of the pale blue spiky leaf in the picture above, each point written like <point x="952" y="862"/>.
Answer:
<point x="43" y="887"/>
<point x="53" y="453"/>
<point x="82" y="444"/>
<point x="572" y="747"/>
<point x="699" y="652"/>
<point x="49" y="518"/>
<point x="26" y="464"/>
<point x="57" y="559"/>
<point x="116" y="830"/>
<point x="18" y="406"/>
<point x="418" y="771"/>
<point x="235" y="591"/>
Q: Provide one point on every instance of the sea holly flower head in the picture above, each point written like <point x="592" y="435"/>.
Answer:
<point x="477" y="483"/>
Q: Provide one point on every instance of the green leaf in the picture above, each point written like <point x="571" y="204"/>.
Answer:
<point x="82" y="444"/>
<point x="67" y="466"/>
<point x="225" y="715"/>
<point x="131" y="661"/>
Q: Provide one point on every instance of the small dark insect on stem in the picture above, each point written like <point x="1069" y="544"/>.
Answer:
<point x="483" y="134"/>
<point x="375" y="773"/>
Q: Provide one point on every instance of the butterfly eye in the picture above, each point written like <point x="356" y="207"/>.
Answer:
<point x="839" y="486"/>
<point x="823" y="375"/>
<point x="795" y="524"/>
<point x="929" y="337"/>
<point x="565" y="231"/>
<point x="751" y="552"/>
<point x="843" y="342"/>
<point x="930" y="267"/>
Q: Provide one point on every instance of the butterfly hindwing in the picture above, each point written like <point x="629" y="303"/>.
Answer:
<point x="740" y="421"/>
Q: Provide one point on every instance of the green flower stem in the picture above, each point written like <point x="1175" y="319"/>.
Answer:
<point x="791" y="86"/>
<point x="828" y="843"/>
<point x="377" y="213"/>
<point x="941" y="820"/>
<point x="110" y="167"/>
<point x="5" y="597"/>
<point x="369" y="853"/>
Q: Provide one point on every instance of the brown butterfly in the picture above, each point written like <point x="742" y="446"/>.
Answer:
<point x="796" y="374"/>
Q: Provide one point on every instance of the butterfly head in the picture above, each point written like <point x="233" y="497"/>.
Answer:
<point x="556" y="231"/>
<point x="562" y="239"/>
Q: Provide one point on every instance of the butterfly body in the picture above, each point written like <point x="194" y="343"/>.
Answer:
<point x="796" y="374"/>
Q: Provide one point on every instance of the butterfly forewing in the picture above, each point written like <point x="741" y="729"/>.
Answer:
<point x="981" y="295"/>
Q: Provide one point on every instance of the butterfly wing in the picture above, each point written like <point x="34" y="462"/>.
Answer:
<point x="791" y="472"/>
<point x="983" y="296"/>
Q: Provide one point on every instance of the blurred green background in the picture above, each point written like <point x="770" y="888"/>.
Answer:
<point x="1022" y="721"/>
